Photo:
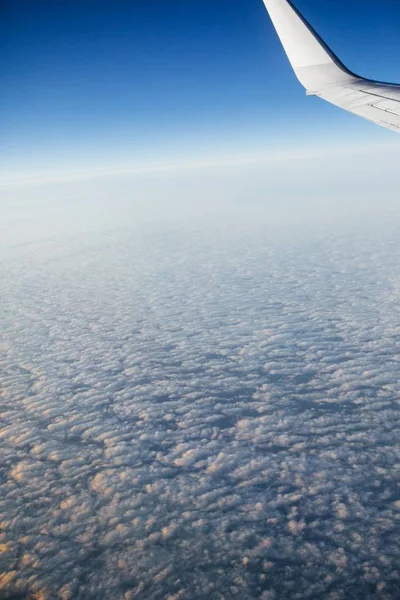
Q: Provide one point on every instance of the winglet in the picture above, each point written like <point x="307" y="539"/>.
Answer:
<point x="314" y="64"/>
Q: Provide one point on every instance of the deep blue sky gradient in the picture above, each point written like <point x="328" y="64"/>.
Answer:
<point x="87" y="82"/>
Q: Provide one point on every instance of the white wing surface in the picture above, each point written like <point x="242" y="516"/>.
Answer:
<point x="322" y="74"/>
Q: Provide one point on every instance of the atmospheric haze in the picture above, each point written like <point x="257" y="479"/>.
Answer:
<point x="199" y="381"/>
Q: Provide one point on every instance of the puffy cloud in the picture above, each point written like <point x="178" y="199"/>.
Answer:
<point x="191" y="415"/>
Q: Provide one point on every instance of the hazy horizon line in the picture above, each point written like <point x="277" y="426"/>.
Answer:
<point x="301" y="153"/>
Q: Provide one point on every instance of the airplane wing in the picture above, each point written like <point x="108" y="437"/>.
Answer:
<point x="324" y="75"/>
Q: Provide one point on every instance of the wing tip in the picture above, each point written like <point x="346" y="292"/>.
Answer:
<point x="314" y="63"/>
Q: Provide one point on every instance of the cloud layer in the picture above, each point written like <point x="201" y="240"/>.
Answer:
<point x="205" y="414"/>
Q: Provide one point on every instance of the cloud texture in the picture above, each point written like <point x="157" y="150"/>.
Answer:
<point x="201" y="414"/>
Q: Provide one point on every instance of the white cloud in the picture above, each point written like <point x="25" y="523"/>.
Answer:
<point x="200" y="413"/>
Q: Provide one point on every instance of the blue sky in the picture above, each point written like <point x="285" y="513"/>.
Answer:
<point x="97" y="84"/>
